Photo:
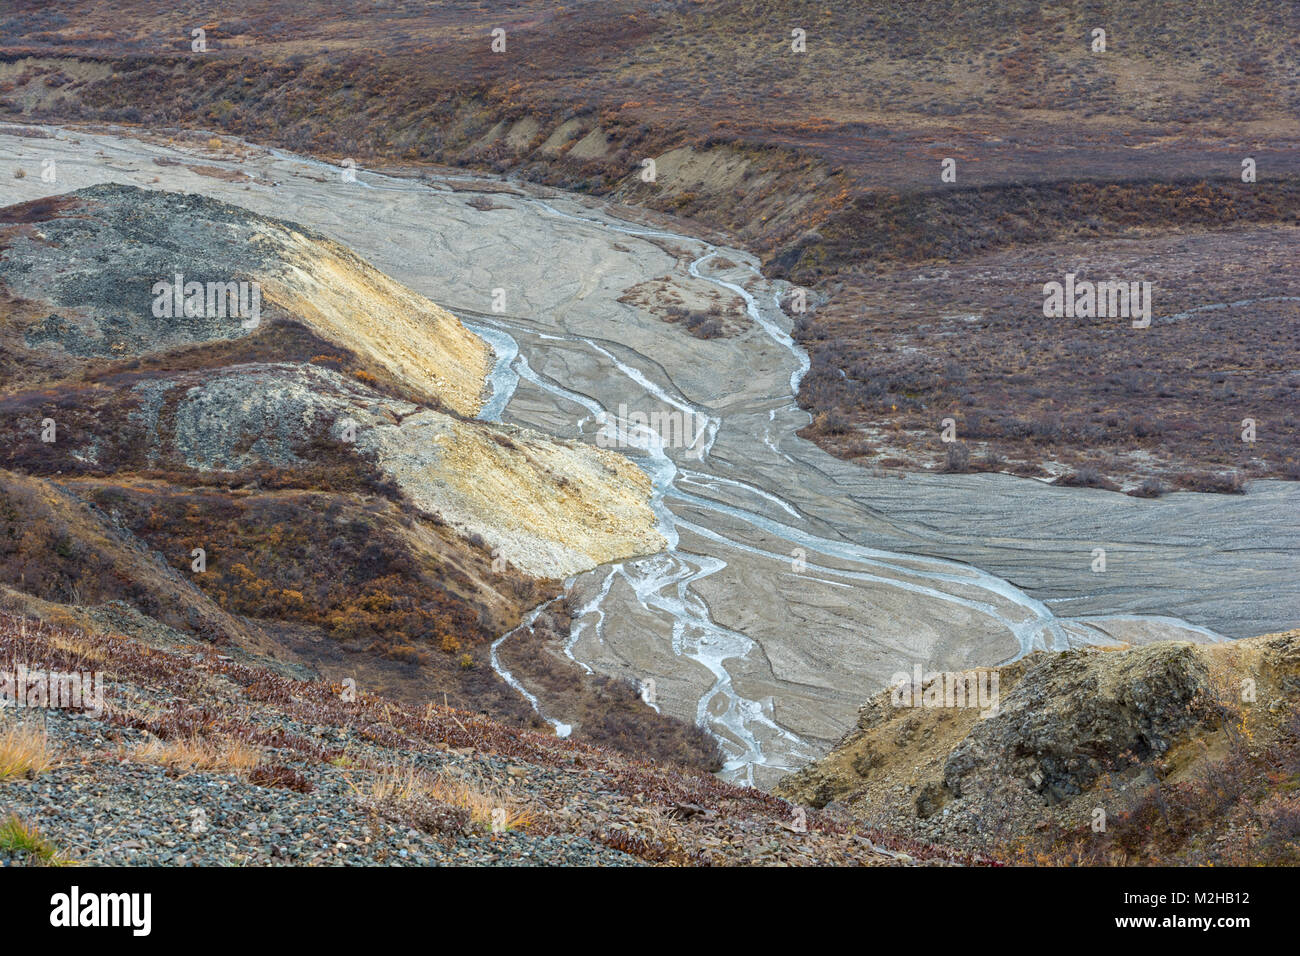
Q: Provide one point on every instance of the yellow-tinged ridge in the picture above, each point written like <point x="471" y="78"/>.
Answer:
<point x="356" y="306"/>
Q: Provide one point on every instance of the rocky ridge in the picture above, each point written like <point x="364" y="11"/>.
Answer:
<point x="1169" y="752"/>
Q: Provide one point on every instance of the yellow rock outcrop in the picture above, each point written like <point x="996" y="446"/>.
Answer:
<point x="349" y="302"/>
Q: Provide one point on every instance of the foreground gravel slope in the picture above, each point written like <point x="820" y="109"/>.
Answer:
<point x="197" y="758"/>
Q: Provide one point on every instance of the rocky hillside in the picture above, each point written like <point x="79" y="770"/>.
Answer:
<point x="115" y="243"/>
<point x="412" y="371"/>
<point x="1166" y="753"/>
<point x="285" y="465"/>
<point x="206" y="758"/>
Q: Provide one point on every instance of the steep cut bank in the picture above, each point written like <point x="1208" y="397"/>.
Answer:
<point x="552" y="508"/>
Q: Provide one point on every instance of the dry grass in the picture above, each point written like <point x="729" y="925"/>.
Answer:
<point x="890" y="357"/>
<point x="462" y="789"/>
<point x="84" y="650"/>
<point x="548" y="800"/>
<point x="17" y="837"/>
<point x="24" y="751"/>
<point x="201" y="753"/>
<point x="650" y="833"/>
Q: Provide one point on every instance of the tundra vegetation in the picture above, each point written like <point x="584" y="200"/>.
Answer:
<point x="827" y="162"/>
